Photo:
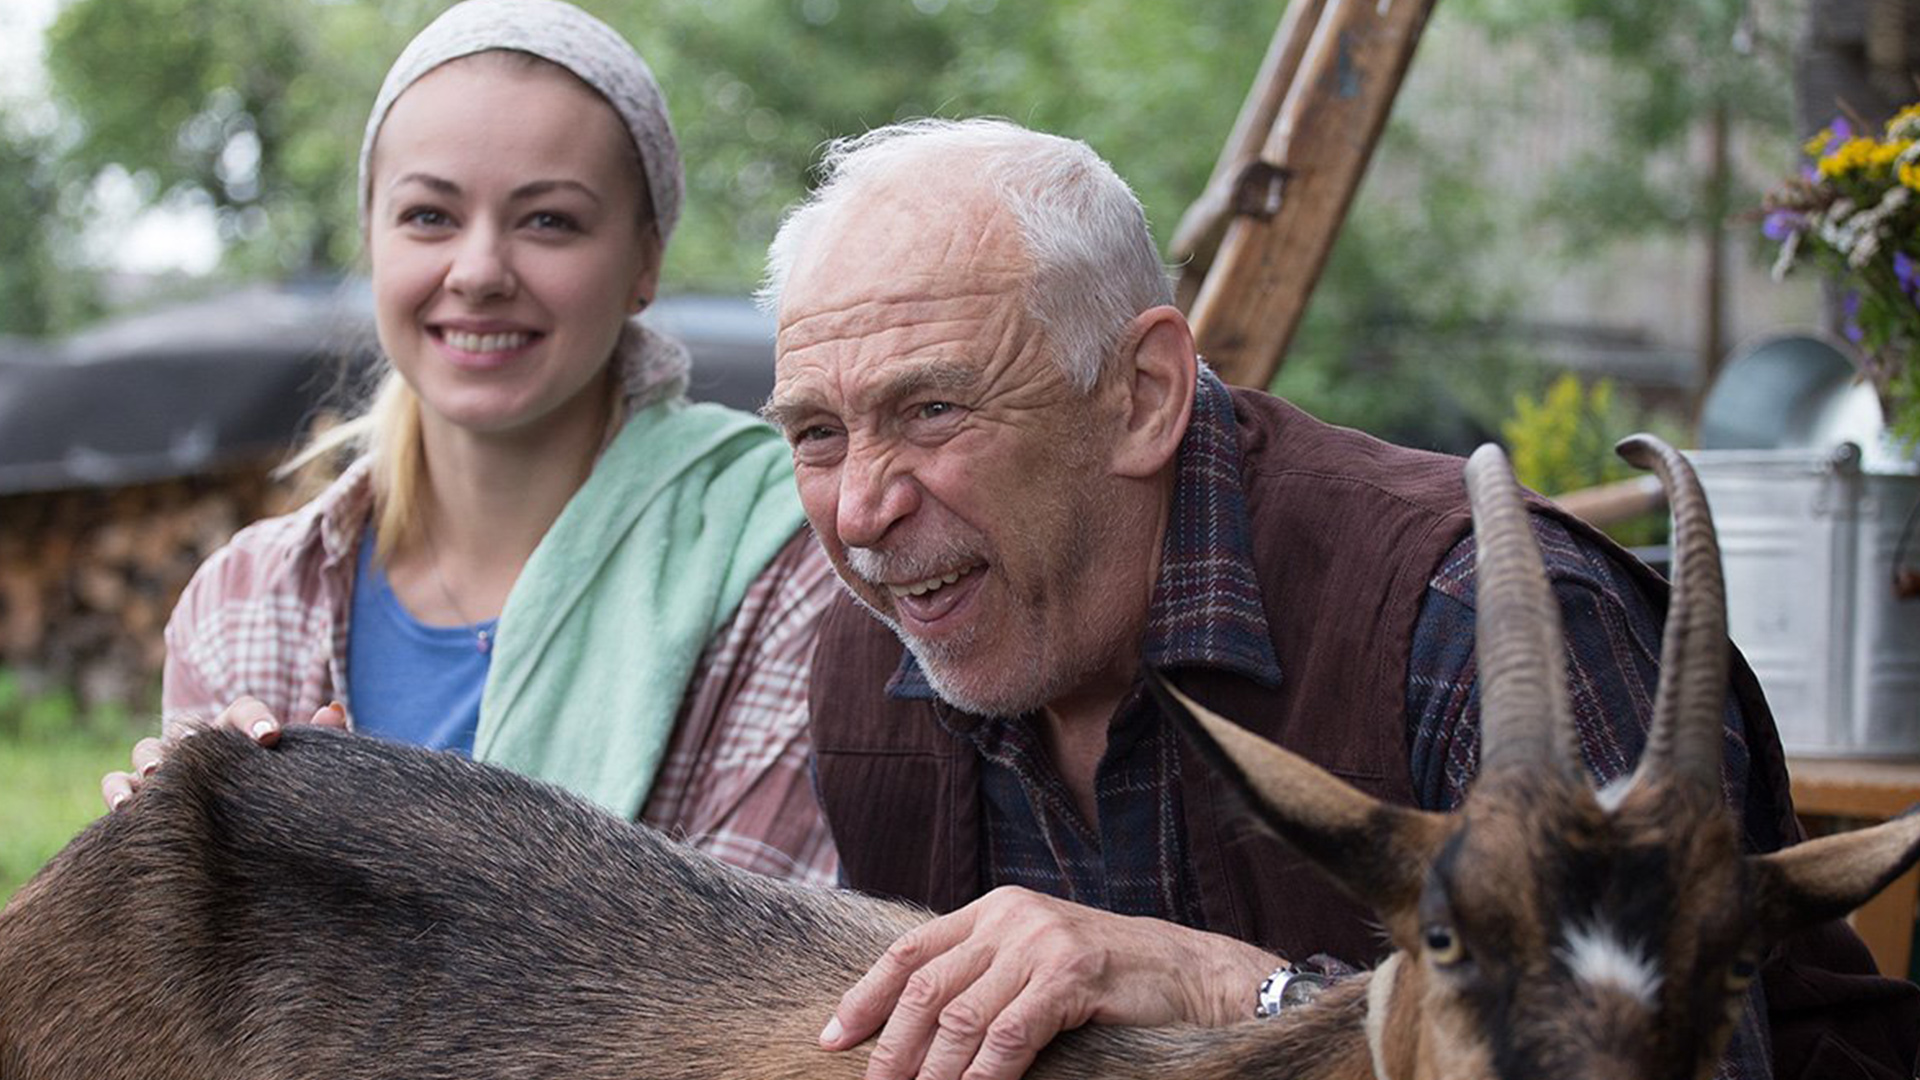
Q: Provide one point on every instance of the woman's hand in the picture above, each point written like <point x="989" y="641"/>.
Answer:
<point x="247" y="714"/>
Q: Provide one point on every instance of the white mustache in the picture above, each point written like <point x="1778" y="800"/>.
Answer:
<point x="877" y="566"/>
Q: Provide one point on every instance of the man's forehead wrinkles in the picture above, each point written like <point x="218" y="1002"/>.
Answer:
<point x="876" y="314"/>
<point x="929" y="333"/>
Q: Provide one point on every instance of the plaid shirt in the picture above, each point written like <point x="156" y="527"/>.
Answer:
<point x="1207" y="611"/>
<point x="267" y="616"/>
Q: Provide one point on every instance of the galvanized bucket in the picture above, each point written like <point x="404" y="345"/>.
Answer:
<point x="1812" y="544"/>
<point x="1816" y="507"/>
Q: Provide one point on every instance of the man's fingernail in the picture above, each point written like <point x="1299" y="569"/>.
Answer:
<point x="262" y="728"/>
<point x="831" y="1033"/>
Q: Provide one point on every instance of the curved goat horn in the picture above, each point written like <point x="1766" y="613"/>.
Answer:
<point x="1525" y="721"/>
<point x="1685" y="740"/>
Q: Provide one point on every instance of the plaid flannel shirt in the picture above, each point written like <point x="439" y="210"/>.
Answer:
<point x="267" y="615"/>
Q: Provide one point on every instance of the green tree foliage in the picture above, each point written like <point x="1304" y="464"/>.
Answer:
<point x="44" y="292"/>
<point x="1676" y="64"/>
<point x="757" y="86"/>
<point x="259" y="107"/>
<point x="254" y="107"/>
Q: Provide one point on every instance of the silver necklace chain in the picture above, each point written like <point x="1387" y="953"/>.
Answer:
<point x="482" y="635"/>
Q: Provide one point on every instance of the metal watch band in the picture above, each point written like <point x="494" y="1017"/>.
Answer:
<point x="1286" y="987"/>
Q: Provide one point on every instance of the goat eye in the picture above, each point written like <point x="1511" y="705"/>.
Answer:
<point x="1443" y="946"/>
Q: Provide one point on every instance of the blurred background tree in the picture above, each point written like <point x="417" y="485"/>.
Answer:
<point x="44" y="289"/>
<point x="1428" y="320"/>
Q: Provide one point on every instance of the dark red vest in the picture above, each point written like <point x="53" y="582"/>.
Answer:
<point x="1346" y="532"/>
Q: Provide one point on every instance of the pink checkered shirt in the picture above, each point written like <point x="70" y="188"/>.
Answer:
<point x="266" y="616"/>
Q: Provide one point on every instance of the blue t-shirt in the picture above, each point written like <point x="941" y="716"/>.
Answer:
<point x="408" y="681"/>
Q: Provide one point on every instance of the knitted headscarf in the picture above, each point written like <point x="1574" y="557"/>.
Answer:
<point x="652" y="366"/>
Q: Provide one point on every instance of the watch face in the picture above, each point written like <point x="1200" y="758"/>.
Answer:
<point x="1302" y="988"/>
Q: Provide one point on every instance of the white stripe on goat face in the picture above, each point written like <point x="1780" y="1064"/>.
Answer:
<point x="1597" y="957"/>
<point x="1615" y="793"/>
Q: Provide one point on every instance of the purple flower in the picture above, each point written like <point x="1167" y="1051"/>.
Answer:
<point x="1907" y="272"/>
<point x="1842" y="131"/>
<point x="1850" y="317"/>
<point x="1780" y="224"/>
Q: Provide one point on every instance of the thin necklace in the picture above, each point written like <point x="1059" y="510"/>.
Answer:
<point x="482" y="635"/>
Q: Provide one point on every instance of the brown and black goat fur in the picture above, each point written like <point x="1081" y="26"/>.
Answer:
<point x="340" y="907"/>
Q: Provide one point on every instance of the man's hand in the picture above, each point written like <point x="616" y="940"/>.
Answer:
<point x="247" y="714"/>
<point x="981" y="991"/>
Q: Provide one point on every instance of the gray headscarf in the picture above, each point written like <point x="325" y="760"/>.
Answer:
<point x="652" y="366"/>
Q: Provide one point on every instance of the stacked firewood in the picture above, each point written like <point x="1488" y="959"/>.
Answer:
<point x="88" y="577"/>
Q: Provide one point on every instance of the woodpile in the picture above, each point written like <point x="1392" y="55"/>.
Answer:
<point x="88" y="577"/>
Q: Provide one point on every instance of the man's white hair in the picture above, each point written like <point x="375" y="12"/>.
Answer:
<point x="1095" y="265"/>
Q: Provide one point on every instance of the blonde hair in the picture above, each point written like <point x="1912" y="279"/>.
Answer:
<point x="388" y="434"/>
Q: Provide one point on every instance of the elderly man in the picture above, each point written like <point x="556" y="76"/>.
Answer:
<point x="1005" y="443"/>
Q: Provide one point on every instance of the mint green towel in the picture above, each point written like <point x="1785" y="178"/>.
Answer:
<point x="601" y="632"/>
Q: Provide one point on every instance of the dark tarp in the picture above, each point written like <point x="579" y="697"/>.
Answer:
<point x="195" y="386"/>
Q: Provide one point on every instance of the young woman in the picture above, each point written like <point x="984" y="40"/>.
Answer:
<point x="543" y="555"/>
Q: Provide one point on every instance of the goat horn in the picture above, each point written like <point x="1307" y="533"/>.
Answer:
<point x="1525" y="720"/>
<point x="1685" y="739"/>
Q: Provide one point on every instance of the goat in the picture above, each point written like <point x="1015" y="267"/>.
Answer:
<point x="339" y="906"/>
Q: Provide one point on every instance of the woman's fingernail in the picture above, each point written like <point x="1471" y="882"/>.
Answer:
<point x="119" y="801"/>
<point x="149" y="767"/>
<point x="262" y="728"/>
<point x="831" y="1033"/>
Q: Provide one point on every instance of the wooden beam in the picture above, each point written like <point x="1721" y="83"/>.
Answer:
<point x="1197" y="238"/>
<point x="1292" y="199"/>
<point x="1611" y="504"/>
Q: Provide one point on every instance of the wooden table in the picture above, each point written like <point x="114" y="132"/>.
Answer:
<point x="1868" y="791"/>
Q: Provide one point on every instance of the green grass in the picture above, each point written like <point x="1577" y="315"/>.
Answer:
<point x="52" y="755"/>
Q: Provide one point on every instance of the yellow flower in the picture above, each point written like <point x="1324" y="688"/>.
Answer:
<point x="1883" y="155"/>
<point x="1852" y="155"/>
<point x="1817" y="145"/>
<point x="1910" y="175"/>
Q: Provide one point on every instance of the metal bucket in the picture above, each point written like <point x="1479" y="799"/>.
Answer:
<point x="1811" y="542"/>
<point x="1814" y="504"/>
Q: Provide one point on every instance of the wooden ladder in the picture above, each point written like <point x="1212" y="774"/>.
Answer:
<point x="1255" y="241"/>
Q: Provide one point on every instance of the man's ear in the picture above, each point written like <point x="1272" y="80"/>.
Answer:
<point x="1158" y="375"/>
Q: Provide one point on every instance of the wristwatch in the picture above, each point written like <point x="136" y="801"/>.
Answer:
<point x="1286" y="987"/>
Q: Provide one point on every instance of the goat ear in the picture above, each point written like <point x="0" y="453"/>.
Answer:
<point x="1824" y="879"/>
<point x="1376" y="850"/>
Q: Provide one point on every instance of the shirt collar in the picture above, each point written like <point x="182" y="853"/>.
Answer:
<point x="341" y="512"/>
<point x="1207" y="610"/>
